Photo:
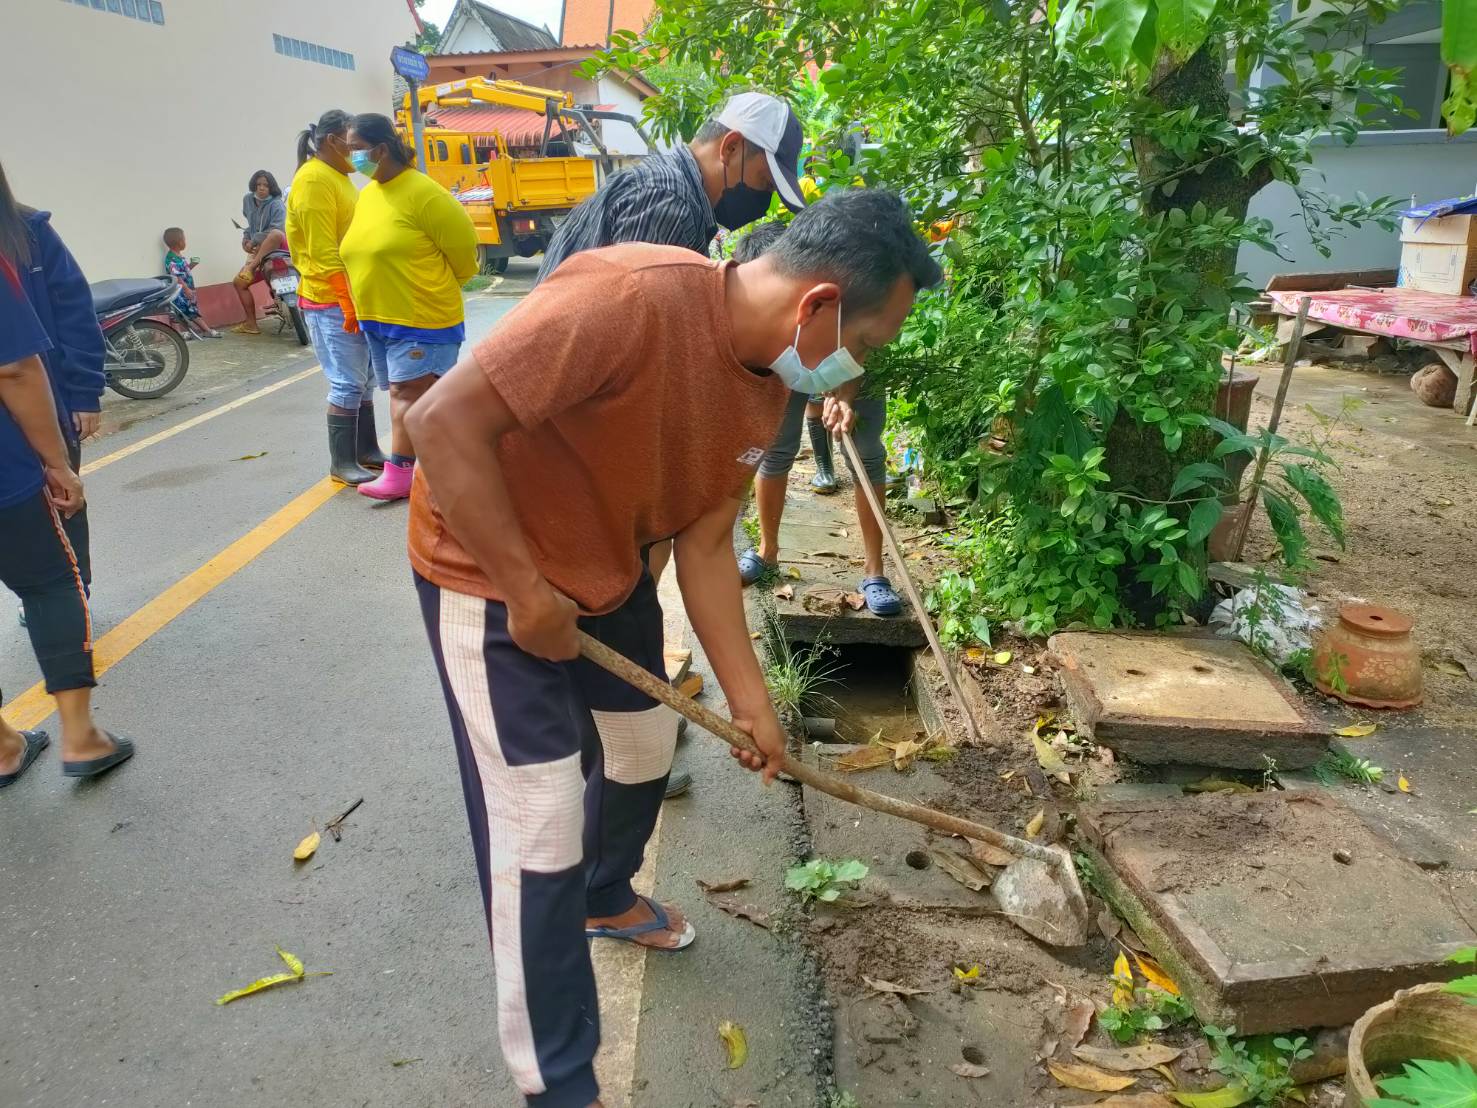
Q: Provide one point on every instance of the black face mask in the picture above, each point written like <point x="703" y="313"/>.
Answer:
<point x="741" y="203"/>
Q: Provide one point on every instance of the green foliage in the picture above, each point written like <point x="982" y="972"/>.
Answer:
<point x="1459" y="52"/>
<point x="1262" y="1065"/>
<point x="958" y="607"/>
<point x="840" y="1098"/>
<point x="1337" y="764"/>
<point x="1430" y="1084"/>
<point x="795" y="675"/>
<point x="1152" y="1010"/>
<point x="1060" y="378"/>
<point x="821" y="880"/>
<point x="1465" y="987"/>
<point x="750" y="524"/>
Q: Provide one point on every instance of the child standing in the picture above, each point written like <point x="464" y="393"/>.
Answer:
<point x="179" y="267"/>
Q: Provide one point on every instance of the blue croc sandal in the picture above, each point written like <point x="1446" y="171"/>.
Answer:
<point x="658" y="923"/>
<point x="36" y="742"/>
<point x="881" y="599"/>
<point x="752" y="567"/>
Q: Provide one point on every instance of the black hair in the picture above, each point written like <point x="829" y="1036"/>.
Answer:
<point x="15" y="236"/>
<point x="335" y="121"/>
<point x="863" y="239"/>
<point x="272" y="188"/>
<point x="758" y="241"/>
<point x="171" y="234"/>
<point x="377" y="130"/>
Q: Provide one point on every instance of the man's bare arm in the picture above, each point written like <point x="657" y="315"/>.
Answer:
<point x="455" y="428"/>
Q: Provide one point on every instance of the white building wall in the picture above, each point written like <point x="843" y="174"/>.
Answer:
<point x="465" y="34"/>
<point x="122" y="128"/>
<point x="1381" y="163"/>
<point x="620" y="138"/>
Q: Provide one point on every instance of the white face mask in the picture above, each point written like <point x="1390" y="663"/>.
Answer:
<point x="835" y="369"/>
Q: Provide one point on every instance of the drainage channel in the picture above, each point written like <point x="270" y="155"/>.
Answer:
<point x="867" y="696"/>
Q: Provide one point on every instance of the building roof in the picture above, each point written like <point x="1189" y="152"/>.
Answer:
<point x="518" y="127"/>
<point x="590" y="22"/>
<point x="510" y="32"/>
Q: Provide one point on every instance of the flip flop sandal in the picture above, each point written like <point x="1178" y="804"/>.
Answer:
<point x="36" y="742"/>
<point x="123" y="750"/>
<point x="752" y="567"/>
<point x="629" y="934"/>
<point x="881" y="599"/>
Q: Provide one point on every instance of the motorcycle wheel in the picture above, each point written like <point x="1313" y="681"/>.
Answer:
<point x="147" y="342"/>
<point x="299" y="325"/>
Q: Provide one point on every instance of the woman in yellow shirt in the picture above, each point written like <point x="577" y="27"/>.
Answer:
<point x="320" y="206"/>
<point x="408" y="250"/>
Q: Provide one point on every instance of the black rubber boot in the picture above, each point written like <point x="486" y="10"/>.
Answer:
<point x="342" y="465"/>
<point x="370" y="455"/>
<point x="824" y="481"/>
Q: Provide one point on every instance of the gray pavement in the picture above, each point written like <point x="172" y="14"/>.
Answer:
<point x="296" y="686"/>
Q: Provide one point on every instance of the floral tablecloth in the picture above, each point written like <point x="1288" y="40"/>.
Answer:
<point x="1397" y="313"/>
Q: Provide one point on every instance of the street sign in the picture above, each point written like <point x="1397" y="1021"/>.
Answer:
<point x="410" y="64"/>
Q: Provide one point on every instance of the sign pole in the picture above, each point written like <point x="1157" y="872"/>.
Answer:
<point x="412" y="65"/>
<point x="418" y="129"/>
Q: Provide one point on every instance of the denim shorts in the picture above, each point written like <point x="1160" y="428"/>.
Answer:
<point x="396" y="361"/>
<point x="344" y="358"/>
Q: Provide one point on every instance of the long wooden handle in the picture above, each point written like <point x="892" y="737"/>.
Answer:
<point x="628" y="671"/>
<point x="859" y="474"/>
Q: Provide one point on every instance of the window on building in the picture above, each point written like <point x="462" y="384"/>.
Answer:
<point x="1421" y="83"/>
<point x="312" y="52"/>
<point x="149" y="11"/>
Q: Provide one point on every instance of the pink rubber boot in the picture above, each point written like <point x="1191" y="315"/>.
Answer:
<point x="392" y="484"/>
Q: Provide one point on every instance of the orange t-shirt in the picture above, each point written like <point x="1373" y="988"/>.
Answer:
<point x="635" y="419"/>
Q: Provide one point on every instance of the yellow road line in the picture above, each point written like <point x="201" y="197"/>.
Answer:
<point x="34" y="705"/>
<point x="203" y="417"/>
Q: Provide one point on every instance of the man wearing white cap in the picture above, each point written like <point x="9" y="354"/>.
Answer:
<point x="725" y="175"/>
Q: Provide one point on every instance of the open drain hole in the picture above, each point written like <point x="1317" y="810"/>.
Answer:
<point x="854" y="692"/>
<point x="917" y="859"/>
<point x="1202" y="669"/>
<point x="1135" y="673"/>
<point x="973" y="1055"/>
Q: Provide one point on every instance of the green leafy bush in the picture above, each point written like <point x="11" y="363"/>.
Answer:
<point x="819" y="879"/>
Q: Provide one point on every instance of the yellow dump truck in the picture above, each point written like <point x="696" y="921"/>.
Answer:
<point x="516" y="195"/>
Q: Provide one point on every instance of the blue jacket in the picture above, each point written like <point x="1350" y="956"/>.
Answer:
<point x="62" y="300"/>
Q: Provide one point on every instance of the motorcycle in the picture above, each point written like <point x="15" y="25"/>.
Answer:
<point x="282" y="279"/>
<point x="143" y="357"/>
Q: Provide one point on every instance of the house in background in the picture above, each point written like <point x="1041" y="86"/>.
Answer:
<point x="481" y="41"/>
<point x="1404" y="157"/>
<point x="587" y="22"/>
<point x="130" y="116"/>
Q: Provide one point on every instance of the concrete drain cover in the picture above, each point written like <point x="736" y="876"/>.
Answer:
<point x="1193" y="699"/>
<point x="1242" y="899"/>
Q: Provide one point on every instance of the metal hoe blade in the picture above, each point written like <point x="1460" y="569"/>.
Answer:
<point x="1043" y="900"/>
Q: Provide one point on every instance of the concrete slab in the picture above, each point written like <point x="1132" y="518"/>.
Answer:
<point x="1243" y="901"/>
<point x="1184" y="697"/>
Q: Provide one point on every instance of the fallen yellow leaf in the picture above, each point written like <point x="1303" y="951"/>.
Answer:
<point x="1155" y="974"/>
<point x="970" y="975"/>
<point x="904" y="752"/>
<point x="1122" y="982"/>
<point x="1128" y="1059"/>
<point x="692" y="685"/>
<point x="973" y="654"/>
<point x="755" y="635"/>
<point x="1402" y="784"/>
<point x="1003" y="658"/>
<point x="1037" y="822"/>
<point x="258" y="985"/>
<point x="735" y="1042"/>
<point x="294" y="963"/>
<point x="1046" y="754"/>
<point x="1356" y="730"/>
<point x="1075" y="1075"/>
<point x="305" y="849"/>
<point x="793" y="573"/>
<point x="1168" y="1075"/>
<point x="1045" y="718"/>
<point x="867" y="757"/>
<point x="1228" y="1097"/>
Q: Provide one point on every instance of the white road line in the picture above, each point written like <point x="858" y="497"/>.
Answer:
<point x="203" y="417"/>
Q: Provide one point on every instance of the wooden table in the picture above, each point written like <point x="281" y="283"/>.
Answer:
<point x="1444" y="324"/>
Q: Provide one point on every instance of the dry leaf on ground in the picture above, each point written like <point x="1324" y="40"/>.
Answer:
<point x="867" y="757"/>
<point x="990" y="854"/>
<point x="855" y="601"/>
<point x="1217" y="785"/>
<point x="968" y="976"/>
<point x="304" y="850"/>
<point x="738" y="909"/>
<point x="1155" y="974"/>
<point x="1127" y="1059"/>
<point x="904" y="752"/>
<point x="1076" y="1023"/>
<point x="1136" y="1100"/>
<point x="1037" y="822"/>
<point x="735" y="1042"/>
<point x="793" y="573"/>
<point x="1050" y="760"/>
<point x="1002" y="658"/>
<point x="1356" y="730"/>
<point x="1229" y="1097"/>
<point x="960" y="869"/>
<point x="1122" y="982"/>
<point x="785" y="592"/>
<point x="1108" y="923"/>
<point x="1402" y="784"/>
<point x="296" y="973"/>
<point x="969" y="1069"/>
<point x="882" y="986"/>
<point x="722" y="886"/>
<point x="1075" y="1075"/>
<point x="691" y="685"/>
<point x="1453" y="668"/>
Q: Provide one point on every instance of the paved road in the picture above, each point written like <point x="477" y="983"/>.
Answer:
<point x="265" y="651"/>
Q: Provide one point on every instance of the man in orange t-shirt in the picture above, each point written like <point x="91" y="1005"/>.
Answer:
<point x="628" y="398"/>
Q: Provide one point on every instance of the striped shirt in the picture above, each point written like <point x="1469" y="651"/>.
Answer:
<point x="661" y="201"/>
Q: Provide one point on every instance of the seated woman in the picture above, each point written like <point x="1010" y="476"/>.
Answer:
<point x="266" y="221"/>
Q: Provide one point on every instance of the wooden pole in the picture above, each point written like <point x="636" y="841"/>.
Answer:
<point x="628" y="671"/>
<point x="859" y="474"/>
<point x="1288" y="361"/>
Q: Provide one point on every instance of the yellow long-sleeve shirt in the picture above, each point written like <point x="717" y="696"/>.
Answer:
<point x="320" y="207"/>
<point x="408" y="251"/>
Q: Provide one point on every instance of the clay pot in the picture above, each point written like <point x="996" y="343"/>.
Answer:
<point x="1372" y="650"/>
<point x="1233" y="404"/>
<point x="1421" y="1022"/>
<point x="1220" y="545"/>
<point x="1435" y="385"/>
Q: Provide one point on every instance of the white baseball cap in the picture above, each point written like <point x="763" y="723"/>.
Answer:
<point x="770" y="124"/>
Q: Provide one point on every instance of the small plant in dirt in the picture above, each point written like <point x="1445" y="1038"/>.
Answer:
<point x="1340" y="764"/>
<point x="824" y="880"/>
<point x="1430" y="1084"/>
<point x="750" y="524"/>
<point x="795" y="675"/>
<point x="1263" y="1069"/>
<point x="842" y="1099"/>
<point x="1151" y="1010"/>
<point x="958" y="605"/>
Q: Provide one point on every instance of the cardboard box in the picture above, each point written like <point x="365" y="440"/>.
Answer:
<point x="1453" y="229"/>
<point x="1438" y="266"/>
